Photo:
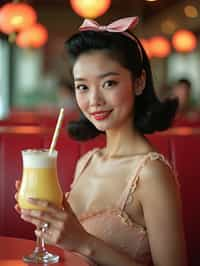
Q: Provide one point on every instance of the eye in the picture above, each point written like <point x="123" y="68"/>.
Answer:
<point x="110" y="83"/>
<point x="81" y="87"/>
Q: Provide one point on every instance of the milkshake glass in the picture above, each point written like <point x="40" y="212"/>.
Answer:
<point x="40" y="180"/>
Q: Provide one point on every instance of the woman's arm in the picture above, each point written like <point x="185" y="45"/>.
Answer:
<point x="103" y="254"/>
<point x="66" y="232"/>
<point x="160" y="200"/>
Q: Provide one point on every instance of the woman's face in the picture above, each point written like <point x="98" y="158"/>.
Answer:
<point x="104" y="90"/>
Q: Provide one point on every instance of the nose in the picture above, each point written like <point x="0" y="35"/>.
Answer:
<point x="96" y="97"/>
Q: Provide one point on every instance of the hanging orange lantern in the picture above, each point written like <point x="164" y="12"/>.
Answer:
<point x="35" y="37"/>
<point x="160" y="46"/>
<point x="184" y="41"/>
<point x="146" y="45"/>
<point x="15" y="17"/>
<point x="90" y="8"/>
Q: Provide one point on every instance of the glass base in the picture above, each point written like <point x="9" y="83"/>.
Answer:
<point x="41" y="257"/>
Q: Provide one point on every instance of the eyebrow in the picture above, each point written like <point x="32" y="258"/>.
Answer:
<point x="104" y="75"/>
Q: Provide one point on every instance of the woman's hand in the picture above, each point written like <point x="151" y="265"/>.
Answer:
<point x="17" y="186"/>
<point x="64" y="228"/>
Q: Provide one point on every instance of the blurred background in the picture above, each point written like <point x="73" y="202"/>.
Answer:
<point x="31" y="75"/>
<point x="34" y="85"/>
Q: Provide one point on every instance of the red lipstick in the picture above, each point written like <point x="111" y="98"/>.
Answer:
<point x="101" y="115"/>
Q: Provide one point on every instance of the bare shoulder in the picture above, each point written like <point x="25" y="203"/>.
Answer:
<point x="159" y="197"/>
<point x="157" y="177"/>
<point x="157" y="168"/>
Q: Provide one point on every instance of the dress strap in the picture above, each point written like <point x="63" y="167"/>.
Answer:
<point x="133" y="181"/>
<point x="82" y="165"/>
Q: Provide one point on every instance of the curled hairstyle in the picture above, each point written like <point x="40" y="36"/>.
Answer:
<point x="150" y="114"/>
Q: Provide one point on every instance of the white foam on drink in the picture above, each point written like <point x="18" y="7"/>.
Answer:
<point x="33" y="158"/>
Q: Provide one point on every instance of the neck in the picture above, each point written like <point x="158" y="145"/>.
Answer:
<point x="120" y="141"/>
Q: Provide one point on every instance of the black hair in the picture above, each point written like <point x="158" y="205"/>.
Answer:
<point x="185" y="81"/>
<point x="150" y="114"/>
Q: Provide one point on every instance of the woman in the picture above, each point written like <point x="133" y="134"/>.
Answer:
<point x="123" y="208"/>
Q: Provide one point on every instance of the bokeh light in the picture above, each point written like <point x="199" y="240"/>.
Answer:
<point x="90" y="8"/>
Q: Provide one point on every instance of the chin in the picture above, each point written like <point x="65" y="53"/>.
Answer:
<point x="101" y="128"/>
<point x="105" y="127"/>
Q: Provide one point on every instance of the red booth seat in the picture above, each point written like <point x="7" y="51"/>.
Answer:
<point x="192" y="120"/>
<point x="36" y="118"/>
<point x="186" y="157"/>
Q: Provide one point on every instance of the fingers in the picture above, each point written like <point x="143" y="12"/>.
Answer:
<point x="53" y="232"/>
<point x="17" y="208"/>
<point x="17" y="184"/>
<point x="49" y="208"/>
<point x="16" y="196"/>
<point x="39" y="217"/>
<point x="27" y="218"/>
<point x="50" y="236"/>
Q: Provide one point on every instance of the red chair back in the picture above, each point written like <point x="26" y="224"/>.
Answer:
<point x="11" y="170"/>
<point x="186" y="154"/>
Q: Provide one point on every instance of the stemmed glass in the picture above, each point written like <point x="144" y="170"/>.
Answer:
<point x="40" y="180"/>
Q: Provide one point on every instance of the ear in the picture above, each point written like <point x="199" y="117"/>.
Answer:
<point x="140" y="83"/>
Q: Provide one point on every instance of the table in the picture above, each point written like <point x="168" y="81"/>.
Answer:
<point x="13" y="249"/>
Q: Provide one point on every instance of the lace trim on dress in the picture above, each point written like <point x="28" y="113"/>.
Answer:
<point x="123" y="216"/>
<point x="132" y="184"/>
<point x="86" y="160"/>
<point x="131" y="187"/>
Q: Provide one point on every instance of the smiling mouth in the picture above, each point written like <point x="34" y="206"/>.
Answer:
<point x="101" y="115"/>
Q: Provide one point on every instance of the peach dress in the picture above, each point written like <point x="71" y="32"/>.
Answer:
<point x="113" y="224"/>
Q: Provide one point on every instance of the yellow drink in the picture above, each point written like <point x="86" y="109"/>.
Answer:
<point x="39" y="179"/>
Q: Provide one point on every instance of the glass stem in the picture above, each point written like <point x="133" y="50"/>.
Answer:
<point x="40" y="244"/>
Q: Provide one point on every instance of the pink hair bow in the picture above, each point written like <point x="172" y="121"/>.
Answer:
<point x="119" y="25"/>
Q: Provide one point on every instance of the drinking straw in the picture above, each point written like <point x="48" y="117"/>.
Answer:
<point x="57" y="130"/>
